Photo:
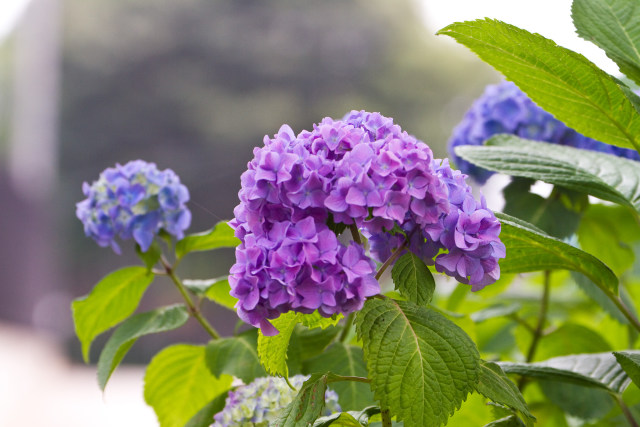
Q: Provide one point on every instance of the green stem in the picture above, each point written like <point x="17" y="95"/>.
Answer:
<point x="542" y="319"/>
<point x="633" y="320"/>
<point x="355" y="233"/>
<point x="193" y="309"/>
<point x="347" y="327"/>
<point x="627" y="413"/>
<point x="386" y="418"/>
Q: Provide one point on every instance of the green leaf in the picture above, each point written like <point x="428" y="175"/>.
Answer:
<point x="151" y="256"/>
<point x="496" y="386"/>
<point x="307" y="406"/>
<point x="559" y="80"/>
<point x="581" y="402"/>
<point x="273" y="350"/>
<point x="345" y="360"/>
<point x="498" y="310"/>
<point x="220" y="236"/>
<point x="571" y="338"/>
<point x="613" y="26"/>
<point x="529" y="250"/>
<point x="510" y="421"/>
<point x="421" y="365"/>
<point x="204" y="416"/>
<point x="602" y="175"/>
<point x="630" y="362"/>
<point x="599" y="370"/>
<point x="217" y="290"/>
<point x="237" y="356"/>
<point x="111" y="301"/>
<point x="413" y="279"/>
<point x="601" y="298"/>
<point x="348" y="419"/>
<point x="151" y="322"/>
<point x="315" y="320"/>
<point x="558" y="215"/>
<point x="311" y="342"/>
<point x="178" y="384"/>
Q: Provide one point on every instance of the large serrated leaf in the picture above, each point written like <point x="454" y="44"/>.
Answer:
<point x="630" y="362"/>
<point x="421" y="365"/>
<point x="273" y="349"/>
<point x="614" y="26"/>
<point x="348" y="419"/>
<point x="220" y="236"/>
<point x="237" y="356"/>
<point x="561" y="81"/>
<point x="345" y="360"/>
<point x="413" y="279"/>
<point x="178" y="384"/>
<point x="151" y="322"/>
<point x="602" y="175"/>
<point x="529" y="250"/>
<point x="599" y="370"/>
<point x="111" y="301"/>
<point x="496" y="386"/>
<point x="307" y="406"/>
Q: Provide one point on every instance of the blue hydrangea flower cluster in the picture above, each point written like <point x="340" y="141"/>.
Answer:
<point x="134" y="201"/>
<point x="261" y="402"/>
<point x="361" y="170"/>
<point x="503" y="108"/>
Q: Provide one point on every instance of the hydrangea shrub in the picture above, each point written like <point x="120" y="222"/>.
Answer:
<point x="325" y="212"/>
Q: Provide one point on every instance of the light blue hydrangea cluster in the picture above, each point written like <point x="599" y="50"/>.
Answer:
<point x="134" y="201"/>
<point x="503" y="108"/>
<point x="261" y="402"/>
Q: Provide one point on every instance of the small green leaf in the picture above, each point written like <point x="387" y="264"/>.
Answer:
<point x="237" y="356"/>
<point x="205" y="415"/>
<point x="562" y="82"/>
<point x="413" y="279"/>
<point x="345" y="360"/>
<point x="613" y="26"/>
<point x="220" y="236"/>
<point x="307" y="406"/>
<point x="178" y="384"/>
<point x="421" y="365"/>
<point x="498" y="310"/>
<point x="273" y="350"/>
<point x="598" y="370"/>
<point x="529" y="250"/>
<point x="496" y="386"/>
<point x="216" y="290"/>
<point x="315" y="320"/>
<point x="510" y="421"/>
<point x="151" y="256"/>
<point x="605" y="176"/>
<point x="630" y="362"/>
<point x="111" y="301"/>
<point x="348" y="419"/>
<point x="159" y="320"/>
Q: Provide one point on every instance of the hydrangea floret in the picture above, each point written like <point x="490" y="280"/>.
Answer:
<point x="504" y="108"/>
<point x="365" y="172"/>
<point x="261" y="402"/>
<point x="134" y="201"/>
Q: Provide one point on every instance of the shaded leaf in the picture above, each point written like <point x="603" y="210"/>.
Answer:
<point x="111" y="301"/>
<point x="560" y="81"/>
<point x="496" y="386"/>
<point x="421" y="365"/>
<point x="581" y="402"/>
<point x="413" y="279"/>
<point x="205" y="415"/>
<point x="348" y="419"/>
<point x="307" y="406"/>
<point x="151" y="322"/>
<point x="630" y="362"/>
<point x="220" y="236"/>
<point x="236" y="356"/>
<point x="498" y="310"/>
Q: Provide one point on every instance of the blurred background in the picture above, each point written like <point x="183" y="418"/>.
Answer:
<point x="192" y="86"/>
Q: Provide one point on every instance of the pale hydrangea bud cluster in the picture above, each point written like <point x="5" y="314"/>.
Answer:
<point x="361" y="170"/>
<point x="261" y="402"/>
<point x="134" y="201"/>
<point x="503" y="108"/>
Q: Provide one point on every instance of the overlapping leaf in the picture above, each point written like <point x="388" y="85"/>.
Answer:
<point x="421" y="365"/>
<point x="307" y="406"/>
<point x="178" y="384"/>
<point x="111" y="301"/>
<point x="602" y="175"/>
<point x="630" y="362"/>
<point x="220" y="236"/>
<point x="235" y="356"/>
<point x="495" y="385"/>
<point x="559" y="80"/>
<point x="413" y="279"/>
<point x="614" y="26"/>
<point x="158" y="320"/>
<point x="529" y="249"/>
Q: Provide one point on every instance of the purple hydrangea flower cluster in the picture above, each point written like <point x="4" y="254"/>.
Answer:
<point x="503" y="108"/>
<point x="134" y="201"/>
<point x="261" y="402"/>
<point x="362" y="170"/>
